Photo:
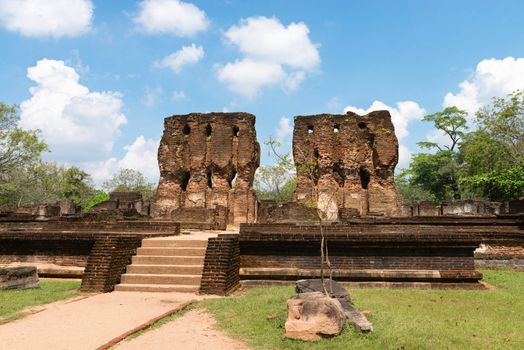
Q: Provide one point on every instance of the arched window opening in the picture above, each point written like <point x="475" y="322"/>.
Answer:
<point x="362" y="125"/>
<point x="336" y="128"/>
<point x="210" y="179"/>
<point x="364" y="177"/>
<point x="185" y="180"/>
<point x="186" y="130"/>
<point x="310" y="129"/>
<point x="209" y="130"/>
<point x="232" y="180"/>
<point x="236" y="131"/>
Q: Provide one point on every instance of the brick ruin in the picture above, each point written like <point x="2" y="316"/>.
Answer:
<point x="208" y="160"/>
<point x="347" y="162"/>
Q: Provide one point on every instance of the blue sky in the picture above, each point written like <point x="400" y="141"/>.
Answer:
<point x="98" y="77"/>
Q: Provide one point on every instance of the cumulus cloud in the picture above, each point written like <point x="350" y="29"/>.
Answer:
<point x="272" y="54"/>
<point x="404" y="113"/>
<point x="56" y="18"/>
<point x="170" y="17"/>
<point x="77" y="124"/>
<point x="246" y="77"/>
<point x="140" y="155"/>
<point x="285" y="128"/>
<point x="492" y="77"/>
<point x="187" y="55"/>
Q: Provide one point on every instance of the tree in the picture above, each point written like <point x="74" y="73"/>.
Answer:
<point x="503" y="120"/>
<point x="18" y="148"/>
<point x="499" y="185"/>
<point x="43" y="182"/>
<point x="437" y="174"/>
<point x="130" y="180"/>
<point x="278" y="181"/>
<point x="493" y="155"/>
<point x="411" y="193"/>
<point x="452" y="122"/>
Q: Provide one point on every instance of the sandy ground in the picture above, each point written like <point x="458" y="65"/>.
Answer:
<point x="88" y="323"/>
<point x="196" y="330"/>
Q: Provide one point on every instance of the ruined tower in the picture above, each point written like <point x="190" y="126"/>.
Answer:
<point x="347" y="162"/>
<point x="208" y="160"/>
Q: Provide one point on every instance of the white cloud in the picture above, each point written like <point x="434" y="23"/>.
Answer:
<point x="56" y="18"/>
<point x="272" y="54"/>
<point x="491" y="78"/>
<point x="285" y="128"/>
<point x="151" y="96"/>
<point x="170" y="16"/>
<point x="77" y="124"/>
<point x="141" y="155"/>
<point x="246" y="77"/>
<point x="178" y="95"/>
<point x="401" y="116"/>
<point x="187" y="55"/>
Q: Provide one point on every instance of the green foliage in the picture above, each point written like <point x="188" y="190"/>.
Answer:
<point x="18" y="148"/>
<point x="13" y="302"/>
<point x="411" y="193"/>
<point x="451" y="121"/>
<point x="402" y="319"/>
<point x="42" y="182"/>
<point x="19" y="151"/>
<point x="435" y="174"/>
<point x="499" y="185"/>
<point x="130" y="180"/>
<point x="493" y="155"/>
<point x="278" y="181"/>
<point x="98" y="196"/>
<point x="485" y="163"/>
<point x="503" y="120"/>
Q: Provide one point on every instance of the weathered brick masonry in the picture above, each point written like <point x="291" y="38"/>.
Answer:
<point x="208" y="160"/>
<point x="221" y="265"/>
<point x="347" y="162"/>
<point x="103" y="248"/>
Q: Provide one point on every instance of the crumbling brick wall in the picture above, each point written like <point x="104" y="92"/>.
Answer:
<point x="208" y="160"/>
<point x="347" y="161"/>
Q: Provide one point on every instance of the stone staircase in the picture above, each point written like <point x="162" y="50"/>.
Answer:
<point x="165" y="265"/>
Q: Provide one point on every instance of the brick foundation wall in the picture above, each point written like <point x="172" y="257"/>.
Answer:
<point x="359" y="252"/>
<point x="221" y="265"/>
<point x="105" y="255"/>
<point x="107" y="261"/>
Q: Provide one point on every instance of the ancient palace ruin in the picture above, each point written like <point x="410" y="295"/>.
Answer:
<point x="208" y="161"/>
<point x="346" y="162"/>
<point x="344" y="165"/>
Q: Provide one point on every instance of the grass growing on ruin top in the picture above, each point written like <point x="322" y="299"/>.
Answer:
<point x="14" y="302"/>
<point x="402" y="319"/>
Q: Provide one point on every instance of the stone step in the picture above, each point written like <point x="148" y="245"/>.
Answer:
<point x="168" y="260"/>
<point x="171" y="251"/>
<point x="127" y="287"/>
<point x="166" y="269"/>
<point x="135" y="278"/>
<point x="176" y="243"/>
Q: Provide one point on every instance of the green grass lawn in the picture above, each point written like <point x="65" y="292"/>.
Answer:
<point x="13" y="302"/>
<point x="402" y="319"/>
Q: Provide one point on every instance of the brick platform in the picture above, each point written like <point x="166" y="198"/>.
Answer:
<point x="361" y="253"/>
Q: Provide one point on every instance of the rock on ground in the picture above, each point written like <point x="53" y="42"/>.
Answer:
<point x="313" y="315"/>
<point x="20" y="277"/>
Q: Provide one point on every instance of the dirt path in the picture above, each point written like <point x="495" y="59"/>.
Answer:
<point x="88" y="323"/>
<point x="196" y="330"/>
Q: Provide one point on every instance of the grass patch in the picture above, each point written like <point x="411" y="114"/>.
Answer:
<point x="13" y="302"/>
<point x="402" y="319"/>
